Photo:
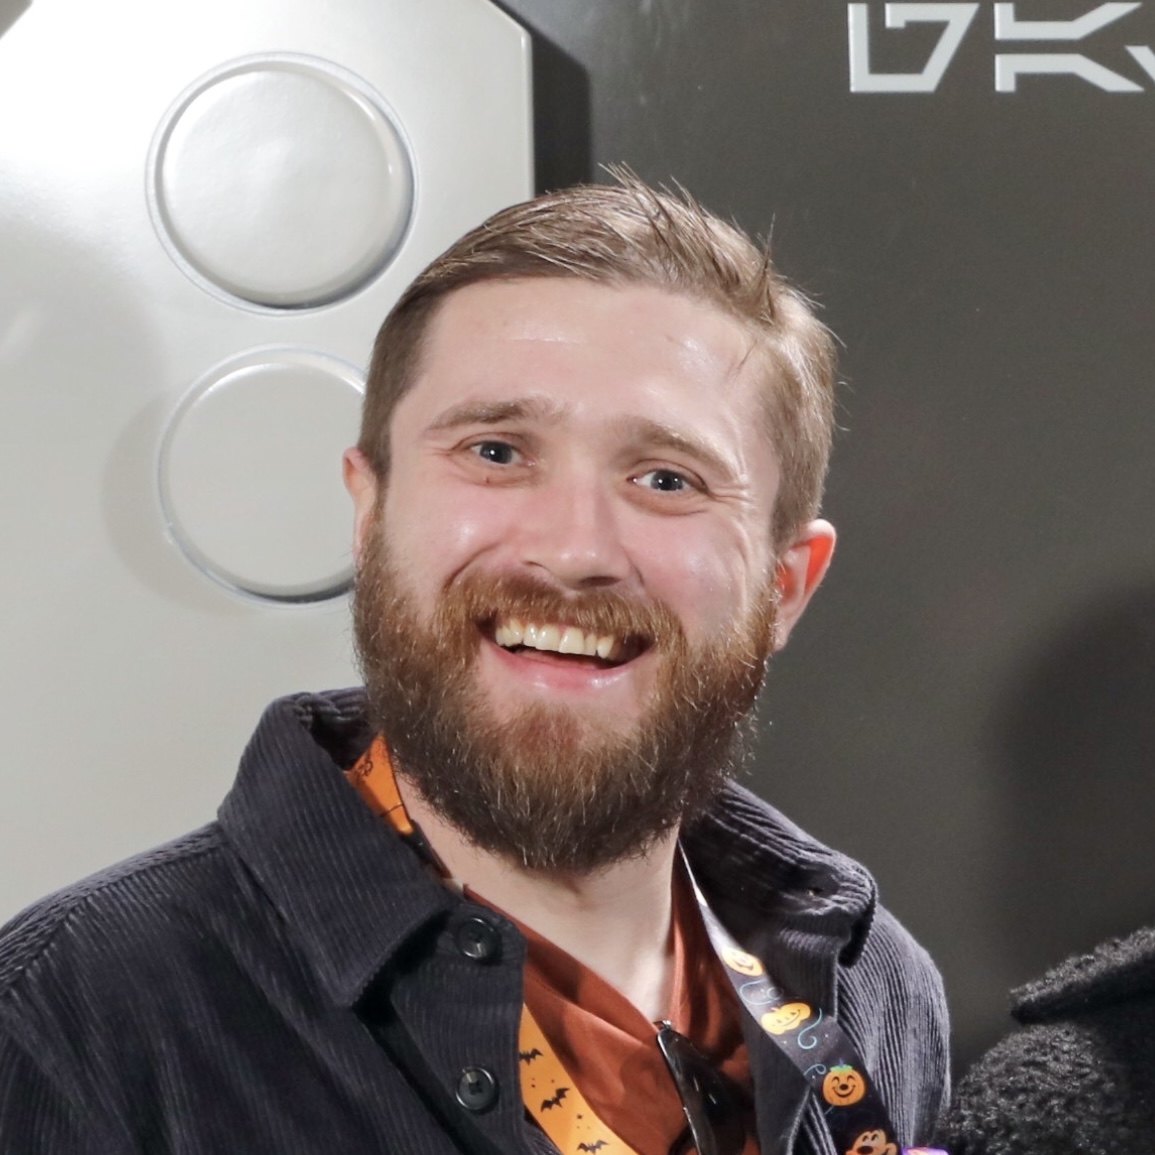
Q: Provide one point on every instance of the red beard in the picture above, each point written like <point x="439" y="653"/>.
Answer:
<point x="548" y="789"/>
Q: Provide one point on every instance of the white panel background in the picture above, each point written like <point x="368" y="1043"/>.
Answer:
<point x="128" y="681"/>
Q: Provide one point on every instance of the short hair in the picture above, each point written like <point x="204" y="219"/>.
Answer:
<point x="631" y="234"/>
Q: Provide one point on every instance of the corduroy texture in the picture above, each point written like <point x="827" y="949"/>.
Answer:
<point x="288" y="980"/>
<point x="1079" y="1077"/>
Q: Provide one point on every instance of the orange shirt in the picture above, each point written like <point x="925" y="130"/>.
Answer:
<point x="609" y="1047"/>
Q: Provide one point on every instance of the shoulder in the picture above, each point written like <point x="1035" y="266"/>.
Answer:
<point x="905" y="1006"/>
<point x="83" y="970"/>
<point x="892" y="959"/>
<point x="82" y="953"/>
<point x="894" y="1005"/>
<point x="130" y="895"/>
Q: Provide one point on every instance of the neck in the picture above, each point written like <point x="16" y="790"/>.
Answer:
<point x="615" y="921"/>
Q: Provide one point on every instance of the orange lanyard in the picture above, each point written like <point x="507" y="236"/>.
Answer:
<point x="555" y="1101"/>
<point x="549" y="1094"/>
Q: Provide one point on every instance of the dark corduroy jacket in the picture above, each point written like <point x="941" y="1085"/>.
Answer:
<point x="289" y="980"/>
<point x="1079" y="1077"/>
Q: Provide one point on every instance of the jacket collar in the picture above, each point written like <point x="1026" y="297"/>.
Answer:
<point x="750" y="857"/>
<point x="337" y="874"/>
<point x="354" y="894"/>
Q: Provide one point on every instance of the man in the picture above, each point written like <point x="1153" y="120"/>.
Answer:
<point x="508" y="897"/>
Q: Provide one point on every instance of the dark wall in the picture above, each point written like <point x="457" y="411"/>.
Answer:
<point x="970" y="705"/>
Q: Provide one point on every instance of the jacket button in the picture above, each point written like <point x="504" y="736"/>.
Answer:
<point x="476" y="1089"/>
<point x="477" y="940"/>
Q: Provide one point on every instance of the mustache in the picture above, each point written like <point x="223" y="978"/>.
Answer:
<point x="484" y="599"/>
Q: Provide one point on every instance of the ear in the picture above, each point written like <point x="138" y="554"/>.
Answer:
<point x="801" y="569"/>
<point x="361" y="482"/>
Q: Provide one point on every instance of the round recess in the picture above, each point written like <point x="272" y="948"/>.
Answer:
<point x="250" y="474"/>
<point x="282" y="181"/>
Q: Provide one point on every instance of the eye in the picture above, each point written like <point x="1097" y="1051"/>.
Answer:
<point x="495" y="452"/>
<point x="665" y="481"/>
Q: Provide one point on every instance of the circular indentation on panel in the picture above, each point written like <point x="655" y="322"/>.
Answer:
<point x="250" y="474"/>
<point x="281" y="180"/>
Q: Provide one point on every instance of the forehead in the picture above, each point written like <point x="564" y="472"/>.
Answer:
<point x="591" y="349"/>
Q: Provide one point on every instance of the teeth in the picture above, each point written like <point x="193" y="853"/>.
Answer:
<point x="572" y="642"/>
<point x="557" y="639"/>
<point x="509" y="633"/>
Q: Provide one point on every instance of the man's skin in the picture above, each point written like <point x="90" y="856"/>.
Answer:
<point x="592" y="436"/>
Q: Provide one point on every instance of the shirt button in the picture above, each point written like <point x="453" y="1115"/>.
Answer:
<point x="477" y="940"/>
<point x="476" y="1089"/>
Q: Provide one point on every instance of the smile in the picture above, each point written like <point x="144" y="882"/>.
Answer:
<point x="558" y="638"/>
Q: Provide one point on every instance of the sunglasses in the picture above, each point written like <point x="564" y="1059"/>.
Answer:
<point x="711" y="1102"/>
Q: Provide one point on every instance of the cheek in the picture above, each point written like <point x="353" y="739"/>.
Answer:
<point x="437" y="530"/>
<point x="706" y="576"/>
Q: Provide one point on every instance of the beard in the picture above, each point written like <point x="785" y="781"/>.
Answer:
<point x="552" y="788"/>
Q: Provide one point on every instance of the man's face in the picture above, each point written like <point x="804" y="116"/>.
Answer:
<point x="577" y="467"/>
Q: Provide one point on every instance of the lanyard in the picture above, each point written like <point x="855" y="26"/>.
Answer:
<point x="555" y="1100"/>
<point x="814" y="1042"/>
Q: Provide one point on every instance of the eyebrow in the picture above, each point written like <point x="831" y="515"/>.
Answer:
<point x="646" y="431"/>
<point x="494" y="413"/>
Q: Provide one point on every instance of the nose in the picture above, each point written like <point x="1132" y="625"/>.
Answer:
<point x="571" y="530"/>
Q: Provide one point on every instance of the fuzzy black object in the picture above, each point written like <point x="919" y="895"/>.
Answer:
<point x="1078" y="1077"/>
